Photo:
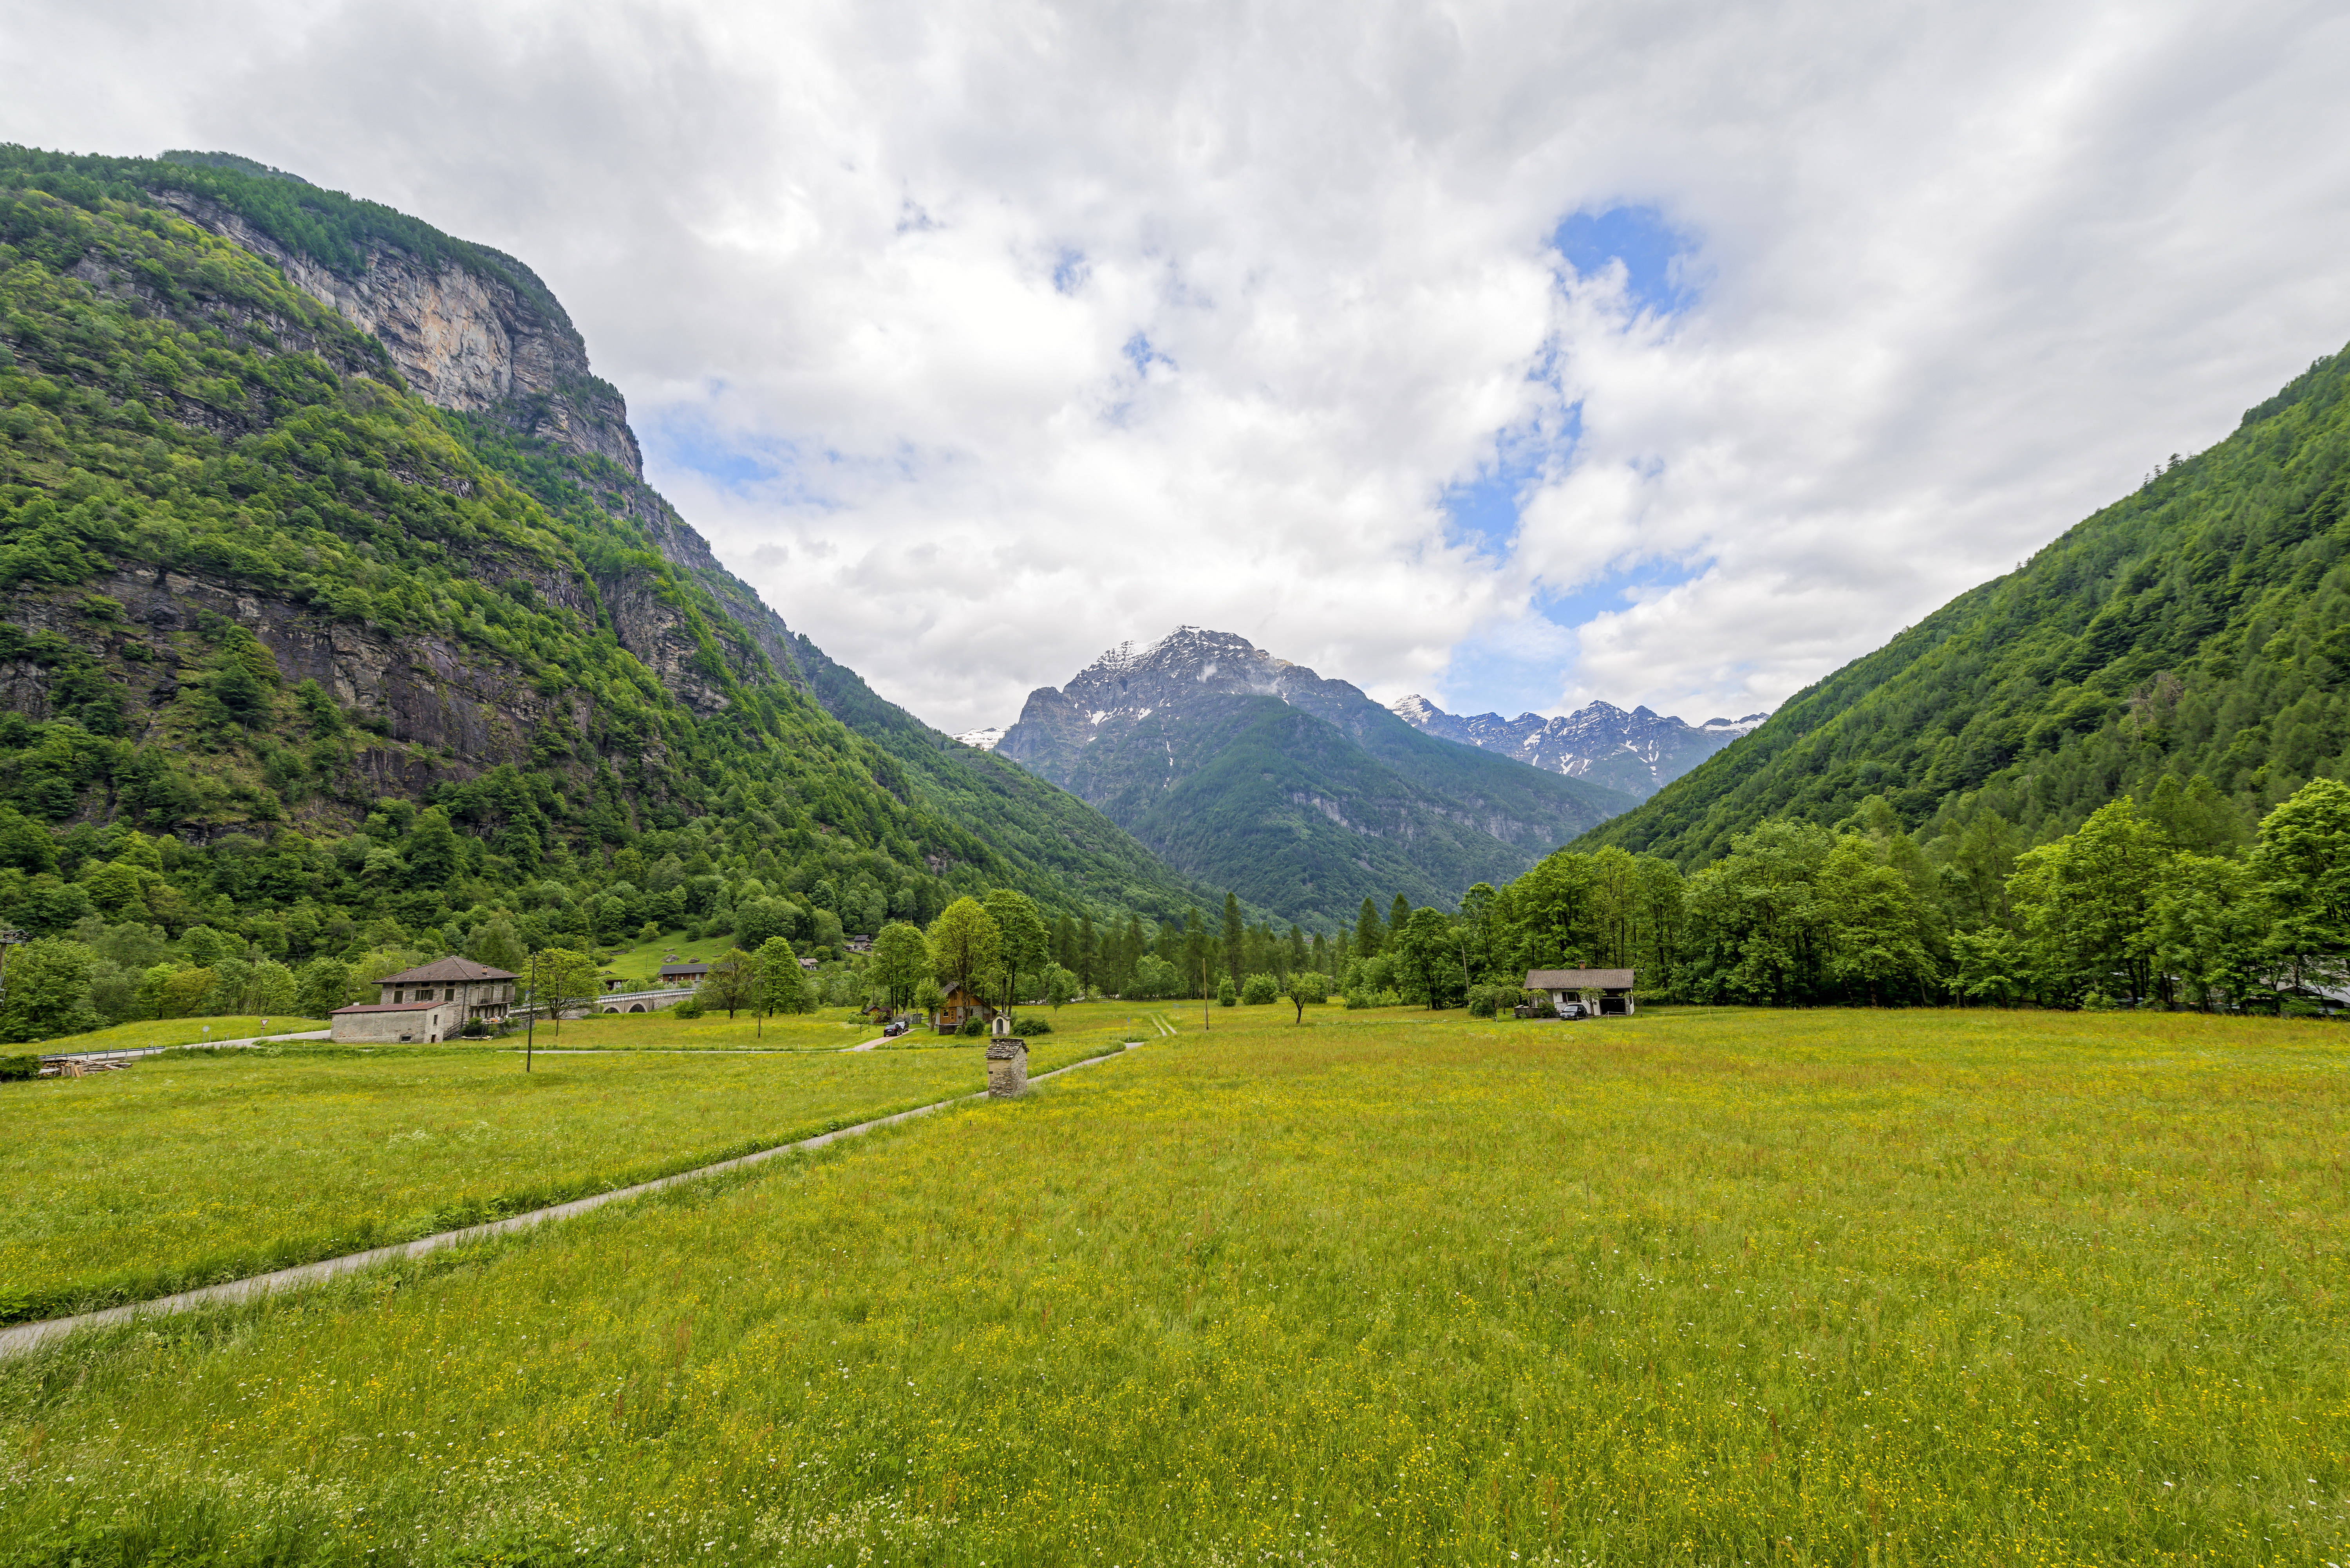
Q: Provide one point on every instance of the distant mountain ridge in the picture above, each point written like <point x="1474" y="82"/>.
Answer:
<point x="1303" y="796"/>
<point x="1636" y="752"/>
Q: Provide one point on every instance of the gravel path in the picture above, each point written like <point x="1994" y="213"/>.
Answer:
<point x="24" y="1338"/>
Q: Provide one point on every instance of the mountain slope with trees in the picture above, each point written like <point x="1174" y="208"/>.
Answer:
<point x="2199" y="625"/>
<point x="301" y="658"/>
<point x="1250" y="772"/>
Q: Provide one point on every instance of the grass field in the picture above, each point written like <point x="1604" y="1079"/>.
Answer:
<point x="169" y="1032"/>
<point x="201" y="1167"/>
<point x="1693" y="1287"/>
<point x="828" y="1030"/>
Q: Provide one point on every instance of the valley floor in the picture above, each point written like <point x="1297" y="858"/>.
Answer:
<point x="1701" y="1286"/>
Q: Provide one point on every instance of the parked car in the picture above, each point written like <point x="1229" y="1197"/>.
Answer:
<point x="896" y="1027"/>
<point x="1573" y="1010"/>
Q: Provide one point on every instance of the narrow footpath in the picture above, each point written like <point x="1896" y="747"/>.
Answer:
<point x="26" y="1338"/>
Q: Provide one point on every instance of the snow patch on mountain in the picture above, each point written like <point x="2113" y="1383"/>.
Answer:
<point x="1639" y="753"/>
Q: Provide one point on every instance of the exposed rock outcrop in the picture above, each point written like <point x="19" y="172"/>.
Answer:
<point x="463" y="339"/>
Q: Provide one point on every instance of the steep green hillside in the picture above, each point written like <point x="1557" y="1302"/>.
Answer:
<point x="2201" y="625"/>
<point x="291" y="652"/>
<point x="1028" y="819"/>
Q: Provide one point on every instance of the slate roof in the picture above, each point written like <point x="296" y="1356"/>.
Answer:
<point x="669" y="968"/>
<point x="444" y="970"/>
<point x="1579" y="978"/>
<point x="390" y="1007"/>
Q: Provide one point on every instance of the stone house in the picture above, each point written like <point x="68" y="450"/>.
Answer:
<point x="428" y="1003"/>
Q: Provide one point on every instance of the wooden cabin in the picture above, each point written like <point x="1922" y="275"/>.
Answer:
<point x="959" y="1005"/>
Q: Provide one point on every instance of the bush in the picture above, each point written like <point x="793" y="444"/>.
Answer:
<point x="1259" y="989"/>
<point x="1225" y="995"/>
<point x="690" y="1008"/>
<point x="1025" y="1027"/>
<point x="1544" y="1010"/>
<point x="974" y="1027"/>
<point x="1481" y="1001"/>
<point x="1358" y="998"/>
<point x="12" y="1067"/>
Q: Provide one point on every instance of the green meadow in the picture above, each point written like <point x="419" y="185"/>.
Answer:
<point x="195" y="1167"/>
<point x="167" y="1031"/>
<point x="1697" y="1287"/>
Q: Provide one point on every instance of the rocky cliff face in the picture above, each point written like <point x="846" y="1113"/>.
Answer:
<point x="1636" y="752"/>
<point x="475" y="344"/>
<point x="462" y="338"/>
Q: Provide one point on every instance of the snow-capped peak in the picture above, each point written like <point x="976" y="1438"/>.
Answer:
<point x="984" y="739"/>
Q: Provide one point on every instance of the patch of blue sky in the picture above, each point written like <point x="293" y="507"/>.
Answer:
<point x="1069" y="272"/>
<point x="1525" y="665"/>
<point x="1139" y="354"/>
<point x="682" y="440"/>
<point x="1657" y="257"/>
<point x="1614" y="590"/>
<point x="1483" y="511"/>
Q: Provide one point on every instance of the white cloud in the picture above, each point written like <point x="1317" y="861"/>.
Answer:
<point x="1963" y="275"/>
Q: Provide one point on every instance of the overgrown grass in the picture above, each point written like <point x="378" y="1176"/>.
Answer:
<point x="833" y="1029"/>
<point x="194" y="1168"/>
<point x="170" y="1032"/>
<point x="1701" y="1287"/>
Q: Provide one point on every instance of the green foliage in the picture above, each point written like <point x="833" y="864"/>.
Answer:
<point x="48" y="991"/>
<point x="1226" y="996"/>
<point x="1021" y="940"/>
<point x="965" y="942"/>
<point x="779" y="986"/>
<point x="2199" y="627"/>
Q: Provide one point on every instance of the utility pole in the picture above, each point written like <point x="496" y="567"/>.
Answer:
<point x="530" y="1018"/>
<point x="1204" y="993"/>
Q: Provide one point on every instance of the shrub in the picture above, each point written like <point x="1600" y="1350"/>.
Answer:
<point x="1358" y="998"/>
<point x="12" y="1068"/>
<point x="1225" y="995"/>
<point x="1025" y="1027"/>
<point x="974" y="1027"/>
<point x="1259" y="989"/>
<point x="1481" y="1001"/>
<point x="690" y="1008"/>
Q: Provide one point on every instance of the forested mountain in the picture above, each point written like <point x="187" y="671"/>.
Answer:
<point x="1303" y="796"/>
<point x="1635" y="753"/>
<point x="2199" y="626"/>
<point x="340" y="613"/>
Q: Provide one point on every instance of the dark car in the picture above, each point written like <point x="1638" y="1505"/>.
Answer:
<point x="896" y="1026"/>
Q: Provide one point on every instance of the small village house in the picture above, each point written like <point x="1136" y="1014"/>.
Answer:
<point x="1565" y="985"/>
<point x="959" y="1005"/>
<point x="427" y="1004"/>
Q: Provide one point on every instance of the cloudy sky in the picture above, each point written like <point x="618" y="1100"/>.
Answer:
<point x="1514" y="354"/>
